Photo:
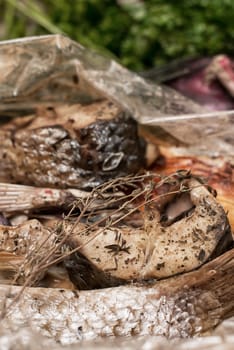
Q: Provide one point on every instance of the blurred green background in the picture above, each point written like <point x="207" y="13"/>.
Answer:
<point x="140" y="34"/>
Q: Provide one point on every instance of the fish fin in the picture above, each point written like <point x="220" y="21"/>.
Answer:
<point x="14" y="198"/>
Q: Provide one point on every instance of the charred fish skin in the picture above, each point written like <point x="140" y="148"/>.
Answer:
<point x="63" y="151"/>
<point x="179" y="307"/>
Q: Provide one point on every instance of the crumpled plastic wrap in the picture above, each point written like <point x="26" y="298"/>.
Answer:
<point x="54" y="69"/>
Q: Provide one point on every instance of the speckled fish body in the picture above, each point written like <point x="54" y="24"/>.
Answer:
<point x="157" y="250"/>
<point x="183" y="306"/>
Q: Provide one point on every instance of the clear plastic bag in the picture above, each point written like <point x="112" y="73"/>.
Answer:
<point x="54" y="69"/>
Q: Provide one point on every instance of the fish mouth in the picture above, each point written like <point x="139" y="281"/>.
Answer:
<point x="180" y="207"/>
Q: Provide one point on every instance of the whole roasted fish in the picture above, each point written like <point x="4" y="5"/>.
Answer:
<point x="183" y="306"/>
<point x="184" y="226"/>
<point x="71" y="146"/>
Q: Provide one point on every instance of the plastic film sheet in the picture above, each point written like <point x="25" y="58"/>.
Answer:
<point x="54" y="70"/>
